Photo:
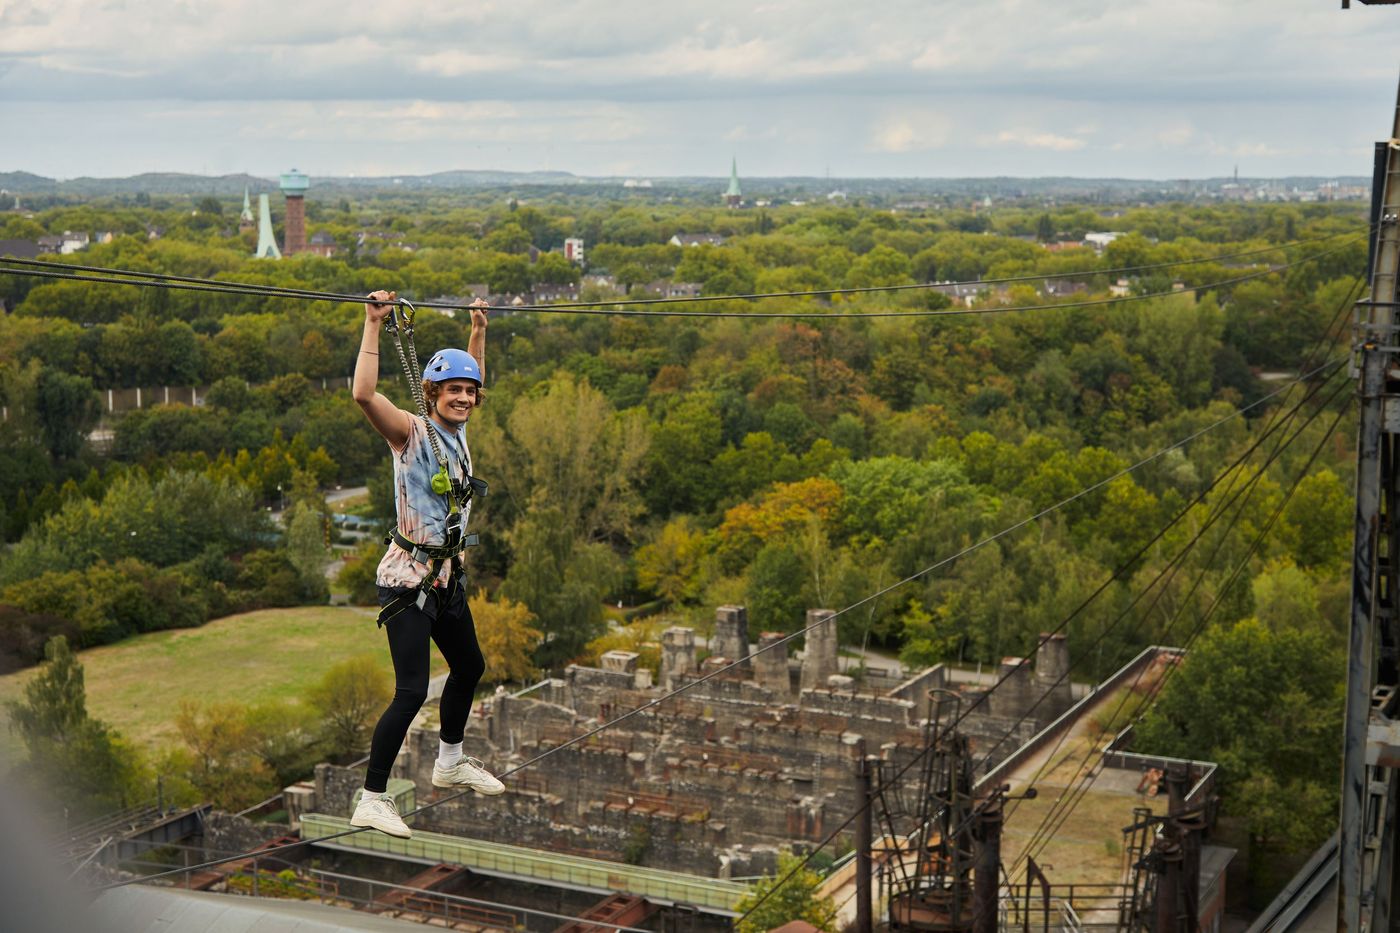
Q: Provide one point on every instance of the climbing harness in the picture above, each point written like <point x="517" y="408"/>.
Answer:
<point x="457" y="492"/>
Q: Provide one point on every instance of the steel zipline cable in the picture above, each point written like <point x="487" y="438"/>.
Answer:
<point x="1346" y="302"/>
<point x="1173" y="566"/>
<point x="1248" y="492"/>
<point x="286" y="291"/>
<point x="1243" y="497"/>
<point x="831" y="837"/>
<point x="1062" y="808"/>
<point x="1343" y="305"/>
<point x="652" y="704"/>
<point x="31" y="268"/>
<point x="1081" y="790"/>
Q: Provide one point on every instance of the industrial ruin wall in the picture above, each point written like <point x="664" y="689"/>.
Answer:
<point x="715" y="780"/>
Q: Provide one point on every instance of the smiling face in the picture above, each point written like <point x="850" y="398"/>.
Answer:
<point x="454" y="400"/>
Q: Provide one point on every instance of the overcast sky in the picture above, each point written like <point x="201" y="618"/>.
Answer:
<point x="1115" y="88"/>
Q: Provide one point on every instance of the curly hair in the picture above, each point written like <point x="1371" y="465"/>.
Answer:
<point x="431" y="391"/>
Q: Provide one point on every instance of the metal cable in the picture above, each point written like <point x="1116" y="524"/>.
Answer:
<point x="1247" y="492"/>
<point x="981" y="699"/>
<point x="1347" y="301"/>
<point x="1156" y="691"/>
<point x="288" y="292"/>
<point x="155" y="280"/>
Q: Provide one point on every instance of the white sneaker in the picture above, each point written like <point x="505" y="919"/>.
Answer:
<point x="467" y="772"/>
<point x="379" y="813"/>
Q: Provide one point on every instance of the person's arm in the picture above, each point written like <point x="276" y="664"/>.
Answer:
<point x="476" y="343"/>
<point x="392" y="422"/>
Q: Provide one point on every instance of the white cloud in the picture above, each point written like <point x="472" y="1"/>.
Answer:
<point x="1176" y="135"/>
<point x="1051" y="141"/>
<point x="1155" y="86"/>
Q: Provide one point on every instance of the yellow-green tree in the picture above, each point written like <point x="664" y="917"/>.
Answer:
<point x="507" y="636"/>
<point x="349" y="698"/>
<point x="222" y="764"/>
<point x="785" y="899"/>
<point x="670" y="566"/>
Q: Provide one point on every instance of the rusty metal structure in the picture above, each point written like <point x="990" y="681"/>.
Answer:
<point x="954" y="837"/>
<point x="1164" y="862"/>
<point x="1368" y="875"/>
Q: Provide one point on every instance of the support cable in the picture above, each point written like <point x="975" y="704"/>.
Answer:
<point x="1347" y="300"/>
<point x="1156" y="690"/>
<point x="1312" y="353"/>
<point x="289" y="292"/>
<point x="1054" y="815"/>
<point x="1199" y="534"/>
<point x="1122" y="568"/>
<point x="157" y="280"/>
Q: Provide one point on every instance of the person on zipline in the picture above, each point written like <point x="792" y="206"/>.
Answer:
<point x="421" y="590"/>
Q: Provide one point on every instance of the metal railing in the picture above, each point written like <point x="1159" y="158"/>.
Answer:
<point x="271" y="877"/>
<point x="1069" y="907"/>
<point x="519" y="862"/>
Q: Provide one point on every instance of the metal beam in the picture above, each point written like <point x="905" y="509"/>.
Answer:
<point x="1368" y="817"/>
<point x="865" y="918"/>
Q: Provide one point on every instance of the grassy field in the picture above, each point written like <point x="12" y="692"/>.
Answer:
<point x="257" y="657"/>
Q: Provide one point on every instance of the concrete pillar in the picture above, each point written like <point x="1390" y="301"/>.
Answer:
<point x="677" y="655"/>
<point x="770" y="665"/>
<point x="1012" y="696"/>
<point x="1052" y="676"/>
<point x="620" y="662"/>
<point x="731" y="634"/>
<point x="819" y="658"/>
<point x="297" y="799"/>
<point x="498" y="725"/>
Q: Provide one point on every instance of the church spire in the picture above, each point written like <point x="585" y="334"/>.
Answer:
<point x="734" y="196"/>
<point x="246" y="220"/>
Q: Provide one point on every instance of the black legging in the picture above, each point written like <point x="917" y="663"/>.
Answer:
<point x="455" y="634"/>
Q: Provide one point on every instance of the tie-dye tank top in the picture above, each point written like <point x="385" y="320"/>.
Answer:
<point x="422" y="513"/>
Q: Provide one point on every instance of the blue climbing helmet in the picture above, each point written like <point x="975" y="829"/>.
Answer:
<point x="452" y="364"/>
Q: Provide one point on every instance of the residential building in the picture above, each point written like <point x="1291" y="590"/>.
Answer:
<point x="546" y="292"/>
<point x="1063" y="288"/>
<point x="23" y="249"/>
<point x="573" y="250"/>
<point x="1100" y="240"/>
<point x="696" y="239"/>
<point x="74" y="242"/>
<point x="665" y="288"/>
<point x="322" y="244"/>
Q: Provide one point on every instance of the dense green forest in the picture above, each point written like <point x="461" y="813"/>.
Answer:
<point x="682" y="463"/>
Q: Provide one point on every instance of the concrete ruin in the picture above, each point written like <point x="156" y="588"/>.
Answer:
<point x="718" y="779"/>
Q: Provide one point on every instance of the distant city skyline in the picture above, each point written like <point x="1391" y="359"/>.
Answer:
<point x="1152" y="89"/>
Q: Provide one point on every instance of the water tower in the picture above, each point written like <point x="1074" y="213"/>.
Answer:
<point x="294" y="185"/>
